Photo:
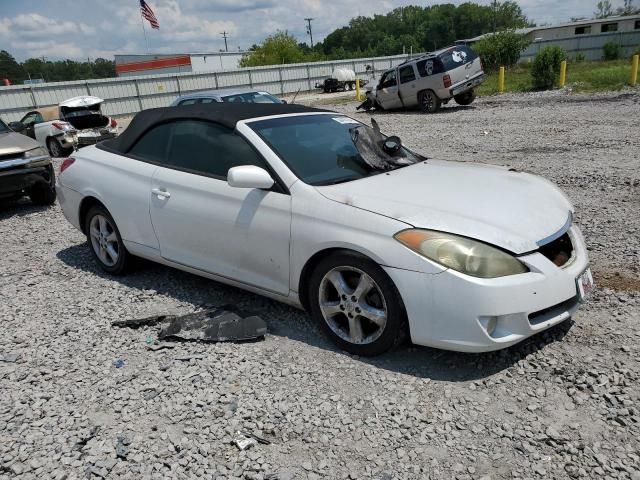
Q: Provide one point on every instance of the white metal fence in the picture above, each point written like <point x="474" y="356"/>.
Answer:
<point x="127" y="96"/>
<point x="588" y="45"/>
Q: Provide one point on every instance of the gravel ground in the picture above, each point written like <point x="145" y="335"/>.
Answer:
<point x="563" y="404"/>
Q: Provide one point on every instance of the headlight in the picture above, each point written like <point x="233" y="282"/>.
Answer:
<point x="36" y="152"/>
<point x="461" y="254"/>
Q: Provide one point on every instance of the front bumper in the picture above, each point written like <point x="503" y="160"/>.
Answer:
<point x="448" y="310"/>
<point x="14" y="181"/>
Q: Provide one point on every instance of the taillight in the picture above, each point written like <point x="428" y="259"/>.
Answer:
<point x="114" y="124"/>
<point x="66" y="163"/>
<point x="447" y="81"/>
<point x="59" y="126"/>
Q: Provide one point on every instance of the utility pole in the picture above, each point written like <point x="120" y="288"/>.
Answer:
<point x="495" y="14"/>
<point x="224" y="35"/>
<point x="308" y="20"/>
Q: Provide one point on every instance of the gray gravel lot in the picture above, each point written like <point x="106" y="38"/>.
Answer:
<point x="564" y="404"/>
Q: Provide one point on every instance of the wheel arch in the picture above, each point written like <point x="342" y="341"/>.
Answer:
<point x="313" y="261"/>
<point x="424" y="90"/>
<point x="85" y="206"/>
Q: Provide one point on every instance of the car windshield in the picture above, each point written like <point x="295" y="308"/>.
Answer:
<point x="330" y="149"/>
<point x="3" y="127"/>
<point x="251" y="97"/>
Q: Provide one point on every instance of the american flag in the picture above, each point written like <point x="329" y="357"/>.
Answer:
<point x="147" y="13"/>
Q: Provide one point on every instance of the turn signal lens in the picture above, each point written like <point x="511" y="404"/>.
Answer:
<point x="447" y="81"/>
<point x="461" y="254"/>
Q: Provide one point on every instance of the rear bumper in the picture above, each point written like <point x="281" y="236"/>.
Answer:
<point x="85" y="139"/>
<point x="20" y="180"/>
<point x="450" y="310"/>
<point x="467" y="85"/>
<point x="69" y="201"/>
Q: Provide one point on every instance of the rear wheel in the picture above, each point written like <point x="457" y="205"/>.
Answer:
<point x="466" y="98"/>
<point x="105" y="241"/>
<point x="429" y="101"/>
<point x="56" y="150"/>
<point x="355" y="302"/>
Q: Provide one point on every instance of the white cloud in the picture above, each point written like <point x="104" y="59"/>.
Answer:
<point x="69" y="28"/>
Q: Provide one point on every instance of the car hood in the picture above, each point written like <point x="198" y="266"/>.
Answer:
<point x="82" y="101"/>
<point x="512" y="210"/>
<point x="12" y="143"/>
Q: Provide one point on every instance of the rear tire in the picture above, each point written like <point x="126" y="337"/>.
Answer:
<point x="466" y="98"/>
<point x="105" y="241"/>
<point x="429" y="101"/>
<point x="356" y="304"/>
<point x="56" y="150"/>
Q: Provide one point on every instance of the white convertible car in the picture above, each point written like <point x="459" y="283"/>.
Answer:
<point x="318" y="210"/>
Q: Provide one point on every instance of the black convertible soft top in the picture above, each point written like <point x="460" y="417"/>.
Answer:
<point x="227" y="114"/>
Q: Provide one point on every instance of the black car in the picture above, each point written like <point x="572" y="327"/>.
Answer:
<point x="25" y="168"/>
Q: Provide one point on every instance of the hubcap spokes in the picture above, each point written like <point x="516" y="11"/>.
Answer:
<point x="104" y="240"/>
<point x="352" y="304"/>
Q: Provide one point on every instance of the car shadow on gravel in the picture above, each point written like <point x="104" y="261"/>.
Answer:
<point x="444" y="110"/>
<point x="289" y="322"/>
<point x="19" y="208"/>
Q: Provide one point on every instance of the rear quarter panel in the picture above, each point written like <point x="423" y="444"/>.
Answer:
<point x="121" y="184"/>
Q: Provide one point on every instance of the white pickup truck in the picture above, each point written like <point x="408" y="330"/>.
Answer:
<point x="73" y="123"/>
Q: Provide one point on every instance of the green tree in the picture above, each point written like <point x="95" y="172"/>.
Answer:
<point x="604" y="9"/>
<point x="10" y="69"/>
<point x="546" y="67"/>
<point x="502" y="49"/>
<point x="420" y="28"/>
<point x="275" y="50"/>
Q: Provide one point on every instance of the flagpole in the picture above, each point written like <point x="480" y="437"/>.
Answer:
<point x="144" y="30"/>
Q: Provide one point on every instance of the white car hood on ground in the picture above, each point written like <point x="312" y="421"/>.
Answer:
<point x="82" y="101"/>
<point x="512" y="210"/>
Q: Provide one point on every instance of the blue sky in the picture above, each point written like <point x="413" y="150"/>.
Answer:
<point x="80" y="29"/>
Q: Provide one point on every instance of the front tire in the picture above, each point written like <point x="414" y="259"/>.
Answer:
<point x="105" y="241"/>
<point x="356" y="304"/>
<point x="466" y="98"/>
<point x="429" y="101"/>
<point x="44" y="194"/>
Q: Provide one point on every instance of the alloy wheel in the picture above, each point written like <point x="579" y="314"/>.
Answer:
<point x="352" y="305"/>
<point x="104" y="240"/>
<point x="428" y="101"/>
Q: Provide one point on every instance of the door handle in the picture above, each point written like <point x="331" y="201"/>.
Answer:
<point x="160" y="193"/>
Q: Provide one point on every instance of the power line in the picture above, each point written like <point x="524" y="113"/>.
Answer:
<point x="308" y="20"/>
<point x="224" y="35"/>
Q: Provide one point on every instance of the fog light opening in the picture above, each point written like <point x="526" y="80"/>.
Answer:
<point x="489" y="324"/>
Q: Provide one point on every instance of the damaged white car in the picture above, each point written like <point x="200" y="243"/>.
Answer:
<point x="76" y="122"/>
<point x="318" y="210"/>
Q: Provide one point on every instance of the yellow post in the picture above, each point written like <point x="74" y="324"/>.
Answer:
<point x="501" y="80"/>
<point x="563" y="73"/>
<point x="357" y="89"/>
<point x="634" y="70"/>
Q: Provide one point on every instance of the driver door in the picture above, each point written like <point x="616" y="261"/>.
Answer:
<point x="202" y="222"/>
<point x="387" y="93"/>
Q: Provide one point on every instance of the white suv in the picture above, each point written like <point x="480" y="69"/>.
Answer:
<point x="429" y="81"/>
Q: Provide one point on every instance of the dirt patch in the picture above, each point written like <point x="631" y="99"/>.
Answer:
<point x="617" y="281"/>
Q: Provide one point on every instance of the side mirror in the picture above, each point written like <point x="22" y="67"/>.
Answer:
<point x="249" y="176"/>
<point x="284" y="101"/>
<point x="17" y="126"/>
